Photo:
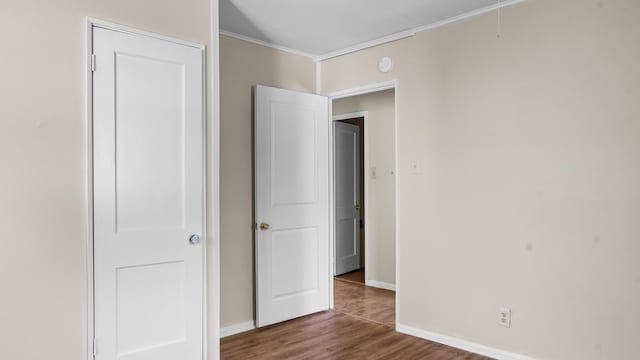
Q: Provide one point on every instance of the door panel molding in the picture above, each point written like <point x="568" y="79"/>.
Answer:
<point x="291" y="182"/>
<point x="90" y="65"/>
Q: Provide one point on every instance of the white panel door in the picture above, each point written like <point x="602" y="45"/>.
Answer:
<point x="291" y="204"/>
<point x="148" y="198"/>
<point x="346" y="140"/>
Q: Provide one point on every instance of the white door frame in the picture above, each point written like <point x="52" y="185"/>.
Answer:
<point x="348" y="116"/>
<point x="95" y="23"/>
<point x="362" y="90"/>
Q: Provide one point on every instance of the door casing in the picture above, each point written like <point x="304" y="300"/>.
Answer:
<point x="336" y="95"/>
<point x="91" y="25"/>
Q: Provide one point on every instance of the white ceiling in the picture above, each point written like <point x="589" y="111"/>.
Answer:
<point x="322" y="27"/>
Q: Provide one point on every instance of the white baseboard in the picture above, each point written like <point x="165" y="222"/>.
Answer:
<point x="461" y="344"/>
<point x="237" y="328"/>
<point x="381" y="285"/>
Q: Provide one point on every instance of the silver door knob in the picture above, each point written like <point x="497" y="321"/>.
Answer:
<point x="194" y="239"/>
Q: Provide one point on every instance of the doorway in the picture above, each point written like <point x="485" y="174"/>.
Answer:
<point x="364" y="203"/>
<point x="294" y="172"/>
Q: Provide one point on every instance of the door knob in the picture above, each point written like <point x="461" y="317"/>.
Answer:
<point x="264" y="226"/>
<point x="358" y="207"/>
<point x="194" y="239"/>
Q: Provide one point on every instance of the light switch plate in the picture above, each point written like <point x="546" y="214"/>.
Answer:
<point x="374" y="173"/>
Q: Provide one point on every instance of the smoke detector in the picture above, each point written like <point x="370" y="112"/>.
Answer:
<point x="385" y="64"/>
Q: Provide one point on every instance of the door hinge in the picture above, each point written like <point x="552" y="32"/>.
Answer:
<point x="95" y="347"/>
<point x="93" y="62"/>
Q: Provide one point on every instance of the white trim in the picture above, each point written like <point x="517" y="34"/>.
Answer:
<point x="89" y="190"/>
<point x="461" y="344"/>
<point x="133" y="31"/>
<point x="409" y="33"/>
<point x="237" y="328"/>
<point x="318" y="78"/>
<point x="266" y="43"/>
<point x="353" y="115"/>
<point x="500" y="4"/>
<point x="380" y="285"/>
<point x="212" y="335"/>
<point x="361" y="90"/>
<point x="96" y="23"/>
<point x="379" y="41"/>
<point x="204" y="204"/>
<point x="366" y="45"/>
<point x="396" y="208"/>
<point x="331" y="207"/>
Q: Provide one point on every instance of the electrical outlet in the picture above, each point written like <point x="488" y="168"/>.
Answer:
<point x="504" y="317"/>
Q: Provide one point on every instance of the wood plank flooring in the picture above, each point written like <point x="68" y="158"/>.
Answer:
<point x="365" y="302"/>
<point x="360" y="327"/>
<point x="354" y="276"/>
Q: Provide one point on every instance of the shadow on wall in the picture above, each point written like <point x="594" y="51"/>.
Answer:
<point x="242" y="66"/>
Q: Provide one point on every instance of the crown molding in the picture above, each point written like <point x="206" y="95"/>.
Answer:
<point x="412" y="32"/>
<point x="376" y="42"/>
<point x="470" y="14"/>
<point x="366" y="45"/>
<point x="267" y="44"/>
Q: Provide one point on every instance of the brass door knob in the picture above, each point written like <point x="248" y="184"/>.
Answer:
<point x="264" y="226"/>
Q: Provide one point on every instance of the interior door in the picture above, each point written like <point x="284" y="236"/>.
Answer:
<point x="346" y="154"/>
<point x="148" y="198"/>
<point x="291" y="204"/>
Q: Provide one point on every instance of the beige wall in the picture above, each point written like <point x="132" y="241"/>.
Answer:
<point x="380" y="204"/>
<point x="243" y="65"/>
<point x="43" y="156"/>
<point x="529" y="151"/>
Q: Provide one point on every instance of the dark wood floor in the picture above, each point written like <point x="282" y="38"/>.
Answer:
<point x="354" y="276"/>
<point x="360" y="327"/>
<point x="367" y="303"/>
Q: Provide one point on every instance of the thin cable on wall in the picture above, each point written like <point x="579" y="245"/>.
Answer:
<point x="499" y="30"/>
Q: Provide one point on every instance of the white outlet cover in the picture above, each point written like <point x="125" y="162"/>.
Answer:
<point x="504" y="317"/>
